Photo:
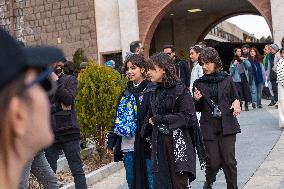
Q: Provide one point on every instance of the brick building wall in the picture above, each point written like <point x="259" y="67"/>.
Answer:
<point x="68" y="24"/>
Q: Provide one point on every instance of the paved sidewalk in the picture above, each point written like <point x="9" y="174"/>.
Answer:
<point x="260" y="159"/>
<point x="270" y="175"/>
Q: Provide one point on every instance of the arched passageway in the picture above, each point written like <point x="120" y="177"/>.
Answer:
<point x="186" y="28"/>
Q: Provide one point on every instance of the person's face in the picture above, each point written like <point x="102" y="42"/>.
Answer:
<point x="208" y="68"/>
<point x="252" y="53"/>
<point x="134" y="73"/>
<point x="193" y="55"/>
<point x="266" y="50"/>
<point x="273" y="51"/>
<point x="245" y="50"/>
<point x="156" y="75"/>
<point x="140" y="49"/>
<point x="30" y="118"/>
<point x="238" y="52"/>
<point x="170" y="52"/>
<point x="58" y="68"/>
<point x="282" y="54"/>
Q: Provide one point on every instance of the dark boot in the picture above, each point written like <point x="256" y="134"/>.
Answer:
<point x="246" y="107"/>
<point x="207" y="185"/>
<point x="272" y="103"/>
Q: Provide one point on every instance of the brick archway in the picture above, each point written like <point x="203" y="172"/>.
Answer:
<point x="150" y="13"/>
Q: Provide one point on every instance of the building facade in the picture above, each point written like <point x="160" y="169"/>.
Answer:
<point x="104" y="28"/>
<point x="228" y="32"/>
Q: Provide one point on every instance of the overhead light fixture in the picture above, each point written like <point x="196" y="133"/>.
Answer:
<point x="172" y="14"/>
<point x="194" y="10"/>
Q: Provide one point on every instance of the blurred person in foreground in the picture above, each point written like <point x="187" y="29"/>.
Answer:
<point x="24" y="107"/>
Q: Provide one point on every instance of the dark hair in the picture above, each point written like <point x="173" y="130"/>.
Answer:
<point x="165" y="62"/>
<point x="257" y="58"/>
<point x="69" y="68"/>
<point x="281" y="50"/>
<point x="196" y="48"/>
<point x="137" y="60"/>
<point x="245" y="46"/>
<point x="169" y="47"/>
<point x="210" y="55"/>
<point x="282" y="42"/>
<point x="134" y="45"/>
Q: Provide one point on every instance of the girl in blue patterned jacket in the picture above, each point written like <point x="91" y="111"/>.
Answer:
<point x="133" y="150"/>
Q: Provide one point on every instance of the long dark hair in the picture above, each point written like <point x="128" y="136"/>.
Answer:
<point x="257" y="58"/>
<point x="165" y="62"/>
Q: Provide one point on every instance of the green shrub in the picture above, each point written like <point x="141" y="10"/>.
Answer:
<point x="78" y="58"/>
<point x="98" y="90"/>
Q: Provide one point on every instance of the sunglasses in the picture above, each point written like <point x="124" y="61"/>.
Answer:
<point x="43" y="80"/>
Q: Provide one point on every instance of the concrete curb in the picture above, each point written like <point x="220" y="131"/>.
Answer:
<point x="62" y="163"/>
<point x="98" y="175"/>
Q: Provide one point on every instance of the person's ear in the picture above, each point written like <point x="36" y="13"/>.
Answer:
<point x="142" y="70"/>
<point x="17" y="116"/>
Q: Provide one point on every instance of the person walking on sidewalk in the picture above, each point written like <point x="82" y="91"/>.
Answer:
<point x="280" y="81"/>
<point x="275" y="57"/>
<point x="259" y="77"/>
<point x="173" y="119"/>
<point x="182" y="68"/>
<point x="268" y="62"/>
<point x="65" y="126"/>
<point x="196" y="71"/>
<point x="125" y="140"/>
<point x="216" y="97"/>
<point x="240" y="71"/>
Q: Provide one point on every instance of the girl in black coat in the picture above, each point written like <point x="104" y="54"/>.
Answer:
<point x="172" y="117"/>
<point x="217" y="99"/>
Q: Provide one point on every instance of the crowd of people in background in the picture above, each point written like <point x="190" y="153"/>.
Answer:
<point x="170" y="111"/>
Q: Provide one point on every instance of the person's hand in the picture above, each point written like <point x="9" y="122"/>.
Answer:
<point x="151" y="121"/>
<point x="236" y="62"/>
<point x="65" y="107"/>
<point x="109" y="151"/>
<point x="197" y="94"/>
<point x="236" y="106"/>
<point x="53" y="76"/>
<point x="242" y="58"/>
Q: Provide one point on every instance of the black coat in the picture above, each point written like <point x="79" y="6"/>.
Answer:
<point x="227" y="94"/>
<point x="114" y="140"/>
<point x="64" y="123"/>
<point x="182" y="71"/>
<point x="179" y="115"/>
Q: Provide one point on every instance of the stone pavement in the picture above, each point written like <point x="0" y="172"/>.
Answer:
<point x="259" y="152"/>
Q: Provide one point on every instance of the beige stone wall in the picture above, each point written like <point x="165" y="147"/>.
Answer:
<point x="68" y="24"/>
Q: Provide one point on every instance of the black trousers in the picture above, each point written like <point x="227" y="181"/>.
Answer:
<point x="71" y="150"/>
<point x="274" y="89"/>
<point x="221" y="154"/>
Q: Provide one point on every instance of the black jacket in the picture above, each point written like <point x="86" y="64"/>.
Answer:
<point x="64" y="123"/>
<point x="182" y="71"/>
<point x="227" y="93"/>
<point x="174" y="107"/>
<point x="114" y="141"/>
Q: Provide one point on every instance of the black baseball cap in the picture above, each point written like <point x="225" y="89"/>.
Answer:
<point x="15" y="58"/>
